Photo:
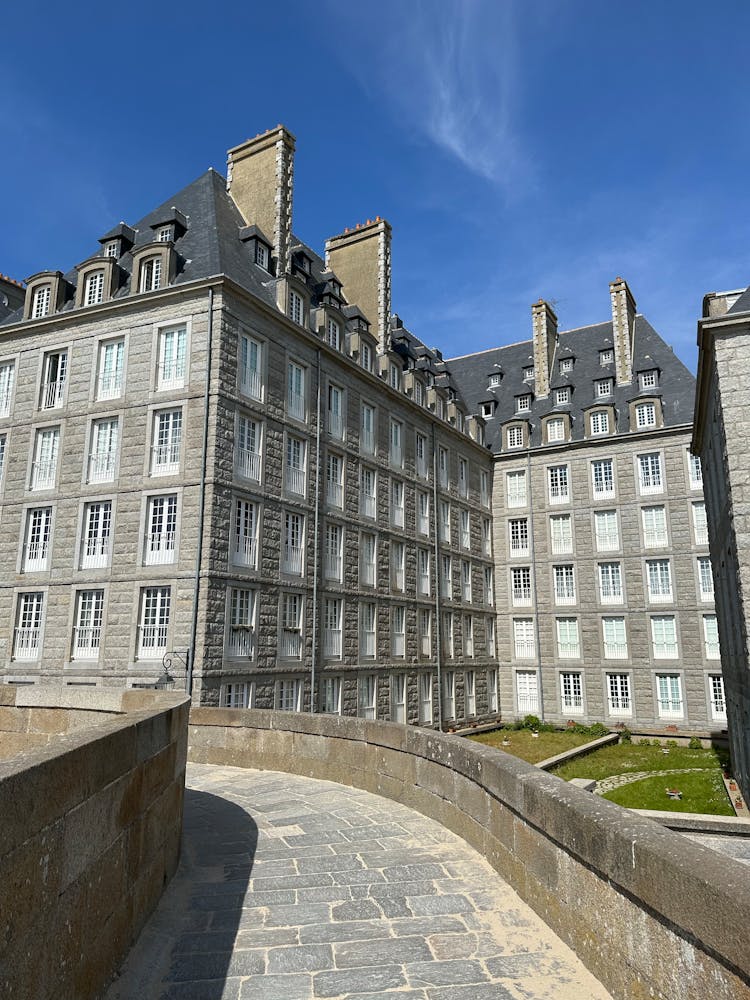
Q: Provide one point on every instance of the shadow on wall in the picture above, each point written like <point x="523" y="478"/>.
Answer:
<point x="190" y="937"/>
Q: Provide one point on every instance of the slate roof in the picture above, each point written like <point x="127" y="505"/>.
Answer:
<point x="471" y="373"/>
<point x="742" y="304"/>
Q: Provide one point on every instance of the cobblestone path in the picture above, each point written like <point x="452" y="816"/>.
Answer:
<point x="294" y="889"/>
<point x="618" y="780"/>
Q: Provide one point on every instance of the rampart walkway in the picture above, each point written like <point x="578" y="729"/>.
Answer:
<point x="293" y="889"/>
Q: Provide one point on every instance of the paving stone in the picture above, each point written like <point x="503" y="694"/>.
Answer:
<point x="401" y="950"/>
<point x="345" y="931"/>
<point x="295" y="916"/>
<point x="277" y="988"/>
<point x="479" y="991"/>
<point x="451" y="903"/>
<point x="428" y="926"/>
<point x="356" y="981"/>
<point x="214" y="965"/>
<point x="300" y="958"/>
<point x="266" y="937"/>
<point x="216" y="989"/>
<point x="356" y="909"/>
<point x="445" y="973"/>
<point x="290" y="882"/>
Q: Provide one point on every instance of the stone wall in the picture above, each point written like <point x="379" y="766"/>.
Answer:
<point x="90" y="835"/>
<point x="650" y="913"/>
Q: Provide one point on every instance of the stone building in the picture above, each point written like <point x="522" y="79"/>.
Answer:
<point x="214" y="439"/>
<point x="604" y="589"/>
<point x="721" y="436"/>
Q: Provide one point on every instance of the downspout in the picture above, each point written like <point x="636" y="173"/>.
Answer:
<point x="316" y="542"/>
<point x="536" y="601"/>
<point x="201" y="497"/>
<point x="436" y="543"/>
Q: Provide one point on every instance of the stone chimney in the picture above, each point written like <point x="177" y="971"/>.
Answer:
<point x="361" y="260"/>
<point x="544" y="325"/>
<point x="623" y="329"/>
<point x="260" y="175"/>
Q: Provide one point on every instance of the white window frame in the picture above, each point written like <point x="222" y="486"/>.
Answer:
<point x="654" y="522"/>
<point x="87" y="628"/>
<point x="244" y="527"/>
<point x="619" y="696"/>
<point x="104" y="450"/>
<point x="166" y="442"/>
<point x="160" y="534"/>
<point x="615" y="638"/>
<point x="248" y="447"/>
<point x="240" y="622"/>
<point x="568" y="638"/>
<point x="154" y="622"/>
<point x="663" y="639"/>
<point x="669" y="696"/>
<point x="606" y="531"/>
<point x="251" y="381"/>
<point x="571" y="692"/>
<point x="110" y="369"/>
<point x="27" y="634"/>
<point x="516" y="488"/>
<point x="96" y="534"/>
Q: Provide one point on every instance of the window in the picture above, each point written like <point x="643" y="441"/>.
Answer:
<point x="518" y="534"/>
<point x="718" y="701"/>
<point x="489" y="636"/>
<point x="164" y="234"/>
<point x="463" y="477"/>
<point x="367" y="619"/>
<point x="568" y="644"/>
<point x="489" y="588"/>
<point x="333" y="333"/>
<point x="487" y="537"/>
<point x="289" y="694"/>
<point x="449" y="694"/>
<point x="606" y="531"/>
<point x="336" y="412"/>
<point x="603" y="387"/>
<point x="618" y="694"/>
<point x="165" y="454"/>
<point x="27" y="638"/>
<point x="244" y="545"/>
<point x="93" y="291"/>
<point x="705" y="578"/>
<point x="332" y="628"/>
<point x="261" y="255"/>
<point x="398" y="698"/>
<point x="424" y="629"/>
<point x="154" y="626"/>
<point x="448" y="633"/>
<point x="97" y="535"/>
<point x="445" y="522"/>
<point x="423" y="572"/>
<point x="492" y="700"/>
<point x="466" y="581"/>
<point x="3" y="441"/>
<point x="112" y="249"/>
<point x="527" y="692"/>
<point x="103" y="455"/>
<point x="7" y="378"/>
<point x="397" y="436"/>
<point x="603" y="478"/>
<point x="521" y="585"/>
<point x="556" y="429"/>
<point x="610" y="583"/>
<point x="150" y="279"/>
<point x="645" y="415"/>
<point x="664" y="637"/>
<point x="241" y="624"/>
<point x="696" y="472"/>
<point x="368" y="497"/>
<point x="711" y="637"/>
<point x="54" y="377"/>
<point x="293" y="551"/>
<point x="524" y="644"/>
<point x="44" y="466"/>
<point x="470" y="692"/>
<point x="40" y="303"/>
<point x="366" y="357"/>
<point x="37" y="540"/>
<point x="443" y="466"/>
<point x="296" y="391"/>
<point x="516" y="488"/>
<point x="600" y="422"/>
<point x="248" y="442"/>
<point x="606" y="357"/>
<point x="296" y="307"/>
<point x="160" y="544"/>
<point x="464" y="529"/>
<point x="423" y="512"/>
<point x="654" y="527"/>
<point x="398" y="631"/>
<point x="557" y="481"/>
<point x="565" y="584"/>
<point x="649" y="473"/>
<point x="367" y="432"/>
<point x="367" y="559"/>
<point x="700" y="524"/>
<point x="110" y="369"/>
<point x="425" y="699"/>
<point x="446" y="577"/>
<point x="515" y="437"/>
<point x="561" y="533"/>
<point x="669" y="696"/>
<point x="87" y="631"/>
<point x="295" y="465"/>
<point x="236" y="694"/>
<point x="571" y="693"/>
<point x="290" y="640"/>
<point x="528" y="373"/>
<point x="495" y="380"/>
<point x="659" y="576"/>
<point x="421" y="455"/>
<point x="335" y="481"/>
<point x="330" y="695"/>
<point x="615" y="639"/>
<point x="565" y="366"/>
<point x="562" y="396"/>
<point x="368" y="696"/>
<point x="648" y="380"/>
<point x="251" y="367"/>
<point x="523" y="403"/>
<point x="333" y="563"/>
<point x="487" y="410"/>
<point x="397" y="503"/>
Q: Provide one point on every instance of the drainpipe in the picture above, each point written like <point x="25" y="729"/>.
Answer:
<point x="316" y="542"/>
<point x="201" y="498"/>
<point x="536" y="601"/>
<point x="436" y="545"/>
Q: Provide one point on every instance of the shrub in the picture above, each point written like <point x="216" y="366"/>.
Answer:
<point x="531" y="722"/>
<point x="672" y="744"/>
<point x="695" y="743"/>
<point x="626" y="736"/>
<point x="598" y="729"/>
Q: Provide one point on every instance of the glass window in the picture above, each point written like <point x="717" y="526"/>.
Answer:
<point x="515" y="437"/>
<point x="565" y="585"/>
<point x="335" y="481"/>
<point x="87" y="630"/>
<point x="368" y="498"/>
<point x="562" y="396"/>
<point x="290" y="639"/>
<point x="645" y="415"/>
<point x="571" y="692"/>
<point x="718" y="701"/>
<point x="110" y="369"/>
<point x="521" y="585"/>
<point x="527" y="692"/>
<point x="289" y="694"/>
<point x="398" y="631"/>
<point x="606" y="531"/>
<point x="669" y="696"/>
<point x="93" y="291"/>
<point x="700" y="524"/>
<point x="600" y="422"/>
<point x="367" y="559"/>
<point x="449" y="694"/>
<point x="330" y="695"/>
<point x="336" y="412"/>
<point x="524" y="644"/>
<point x="292" y="557"/>
<point x="54" y="377"/>
<point x="705" y="578"/>
<point x="518" y="536"/>
<point x="649" y="473"/>
<point x="603" y="387"/>
<point x="296" y="465"/>
<point x="659" y="576"/>
<point x="40" y="302"/>
<point x="610" y="583"/>
<point x="556" y="429"/>
<point x="167" y="436"/>
<point x="251" y="367"/>
<point x="397" y="436"/>
<point x="557" y="480"/>
<point x="618" y="694"/>
<point x="523" y="403"/>
<point x="241" y="624"/>
<point x="615" y="639"/>
<point x="97" y="535"/>
<point x="103" y="454"/>
<point x="664" y="637"/>
<point x="333" y="333"/>
<point x="37" y="539"/>
<point x="7" y="378"/>
<point x="696" y="472"/>
<point x="425" y="699"/>
<point x="46" y="451"/>
<point x="606" y="357"/>
<point x="368" y="696"/>
<point x="236" y="694"/>
<point x="424" y="630"/>
<point x="367" y="430"/>
<point x="516" y="488"/>
<point x="561" y="533"/>
<point x="248" y="445"/>
<point x="154" y="622"/>
<point x="332" y="631"/>
<point x="296" y="307"/>
<point x="160" y="543"/>
<point x="296" y="406"/>
<point x="711" y="637"/>
<point x="568" y="644"/>
<point x="150" y="279"/>
<point x="654" y="527"/>
<point x="27" y="637"/>
<point x="244" y="543"/>
<point x="603" y="477"/>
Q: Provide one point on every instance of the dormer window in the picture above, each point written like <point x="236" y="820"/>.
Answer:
<point x="366" y="357"/>
<point x="607" y="356"/>
<point x="649" y="380"/>
<point x="645" y="415"/>
<point x="528" y="373"/>
<point x="603" y="387"/>
<point x="261" y="255"/>
<point x="565" y="365"/>
<point x="523" y="403"/>
<point x="394" y="376"/>
<point x="41" y="301"/>
<point x="495" y="381"/>
<point x="488" y="410"/>
<point x="164" y="234"/>
<point x="562" y="396"/>
<point x="150" y="279"/>
<point x="600" y="422"/>
<point x="333" y="333"/>
<point x="514" y="437"/>
<point x="112" y="249"/>
<point x="296" y="307"/>
<point x="418" y="393"/>
<point x="93" y="292"/>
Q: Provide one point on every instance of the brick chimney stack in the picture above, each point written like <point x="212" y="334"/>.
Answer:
<point x="623" y="329"/>
<point x="361" y="260"/>
<point x="260" y="179"/>
<point x="544" y="325"/>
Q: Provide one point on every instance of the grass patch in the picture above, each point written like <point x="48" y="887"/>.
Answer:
<point x="628" y="758"/>
<point x="702" y="792"/>
<point x="530" y="748"/>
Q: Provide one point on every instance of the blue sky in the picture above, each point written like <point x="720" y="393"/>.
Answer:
<point x="519" y="149"/>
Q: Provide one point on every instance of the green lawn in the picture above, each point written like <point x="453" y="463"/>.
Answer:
<point x="702" y="792"/>
<point x="529" y="748"/>
<point x="624" y="758"/>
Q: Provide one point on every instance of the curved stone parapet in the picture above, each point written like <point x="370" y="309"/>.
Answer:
<point x="651" y="913"/>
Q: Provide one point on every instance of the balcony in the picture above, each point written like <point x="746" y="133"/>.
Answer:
<point x="248" y="465"/>
<point x="607" y="541"/>
<point x="619" y="705"/>
<point x="561" y="546"/>
<point x="43" y="475"/>
<point x="152" y="642"/>
<point x="336" y="425"/>
<point x="160" y="548"/>
<point x="701" y="535"/>
<point x="572" y="703"/>
<point x="611" y="596"/>
<point x="251" y="385"/>
<point x="528" y="704"/>
<point x="292" y="561"/>
<point x="102" y="467"/>
<point x="604" y="491"/>
<point x="35" y="556"/>
<point x="165" y="460"/>
<point x="95" y="553"/>
<point x="26" y="643"/>
<point x="569" y="650"/>
<point x="295" y="481"/>
<point x="241" y="641"/>
<point x="712" y="651"/>
<point x="290" y="643"/>
<point x="651" y="486"/>
<point x="52" y="394"/>
<point x="332" y="643"/>
<point x="565" y="597"/>
<point x="524" y="649"/>
<point x="109" y="386"/>
<point x="655" y="538"/>
<point x="517" y="498"/>
<point x="670" y="708"/>
<point x="615" y="651"/>
<point x="244" y="551"/>
<point x="171" y="376"/>
<point x="665" y="650"/>
<point x="521" y="598"/>
<point x="660" y="596"/>
<point x="86" y="642"/>
<point x="559" y="494"/>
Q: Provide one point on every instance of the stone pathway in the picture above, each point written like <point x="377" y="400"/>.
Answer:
<point x="294" y="889"/>
<point x="618" y="780"/>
